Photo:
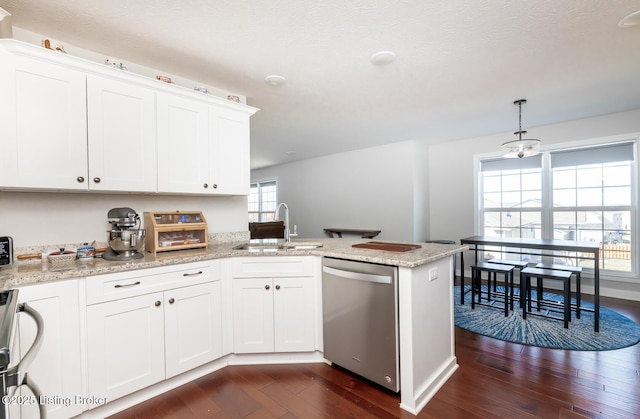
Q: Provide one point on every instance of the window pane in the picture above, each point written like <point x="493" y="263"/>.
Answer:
<point x="491" y="183"/>
<point x="589" y="197"/>
<point x="617" y="196"/>
<point x="492" y="200"/>
<point x="616" y="175"/>
<point x="564" y="179"/>
<point x="617" y="246"/>
<point x="564" y="198"/>
<point x="492" y="224"/>
<point x="531" y="181"/>
<point x="511" y="183"/>
<point x="532" y="199"/>
<point x="510" y="199"/>
<point x="590" y="176"/>
<point x="531" y="225"/>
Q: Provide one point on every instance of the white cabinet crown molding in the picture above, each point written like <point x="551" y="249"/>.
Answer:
<point x="19" y="48"/>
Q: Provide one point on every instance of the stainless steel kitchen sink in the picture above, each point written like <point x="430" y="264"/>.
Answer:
<point x="275" y="245"/>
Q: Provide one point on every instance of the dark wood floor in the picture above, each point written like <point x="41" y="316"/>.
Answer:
<point x="495" y="379"/>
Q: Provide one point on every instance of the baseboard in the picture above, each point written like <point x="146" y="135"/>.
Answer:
<point x="422" y="396"/>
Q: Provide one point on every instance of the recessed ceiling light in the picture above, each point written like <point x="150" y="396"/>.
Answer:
<point x="383" y="57"/>
<point x="274" y="80"/>
<point x="631" y="20"/>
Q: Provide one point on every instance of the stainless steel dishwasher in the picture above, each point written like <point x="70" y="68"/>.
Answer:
<point x="360" y="318"/>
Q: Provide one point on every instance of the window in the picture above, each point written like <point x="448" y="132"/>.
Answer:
<point x="583" y="194"/>
<point x="262" y="201"/>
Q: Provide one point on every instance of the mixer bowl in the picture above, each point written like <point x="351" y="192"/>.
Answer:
<point x="126" y="242"/>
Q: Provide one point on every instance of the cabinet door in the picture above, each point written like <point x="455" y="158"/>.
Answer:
<point x="122" y="136"/>
<point x="294" y="314"/>
<point x="229" y="151"/>
<point x="56" y="369"/>
<point x="252" y="315"/>
<point x="125" y="345"/>
<point x="183" y="149"/>
<point x="43" y="125"/>
<point x="193" y="327"/>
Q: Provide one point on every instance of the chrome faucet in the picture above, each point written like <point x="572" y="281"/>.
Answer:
<point x="287" y="231"/>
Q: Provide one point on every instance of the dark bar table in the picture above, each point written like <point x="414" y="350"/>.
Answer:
<point x="540" y="244"/>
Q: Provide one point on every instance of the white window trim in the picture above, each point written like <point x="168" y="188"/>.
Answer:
<point x="478" y="222"/>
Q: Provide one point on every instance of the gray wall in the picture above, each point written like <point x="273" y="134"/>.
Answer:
<point x="380" y="188"/>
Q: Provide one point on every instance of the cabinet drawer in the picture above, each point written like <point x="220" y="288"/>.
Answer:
<point x="119" y="285"/>
<point x="268" y="267"/>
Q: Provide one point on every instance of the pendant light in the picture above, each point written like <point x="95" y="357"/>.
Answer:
<point x="521" y="147"/>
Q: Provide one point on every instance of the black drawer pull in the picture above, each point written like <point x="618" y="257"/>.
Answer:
<point x="127" y="285"/>
<point x="193" y="274"/>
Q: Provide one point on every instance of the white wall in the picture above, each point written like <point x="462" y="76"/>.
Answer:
<point x="372" y="188"/>
<point x="451" y="188"/>
<point x="452" y="195"/>
<point x="43" y="218"/>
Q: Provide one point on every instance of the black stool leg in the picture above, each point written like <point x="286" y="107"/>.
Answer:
<point x="539" y="292"/>
<point x="473" y="288"/>
<point x="523" y="294"/>
<point x="578" y="296"/>
<point x="567" y="302"/>
<point x="510" y="289"/>
<point x="506" y="294"/>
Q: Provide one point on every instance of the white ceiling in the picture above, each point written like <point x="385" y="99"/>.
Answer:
<point x="460" y="63"/>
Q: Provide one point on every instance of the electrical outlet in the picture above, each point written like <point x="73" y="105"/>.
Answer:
<point x="433" y="274"/>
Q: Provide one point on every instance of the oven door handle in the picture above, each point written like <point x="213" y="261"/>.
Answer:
<point x="37" y="342"/>
<point x="15" y="376"/>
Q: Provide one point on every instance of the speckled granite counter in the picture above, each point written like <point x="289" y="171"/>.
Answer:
<point x="28" y="272"/>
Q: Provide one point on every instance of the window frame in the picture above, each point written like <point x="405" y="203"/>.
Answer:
<point x="547" y="197"/>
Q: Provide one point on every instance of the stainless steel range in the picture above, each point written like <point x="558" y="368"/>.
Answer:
<point x="14" y="375"/>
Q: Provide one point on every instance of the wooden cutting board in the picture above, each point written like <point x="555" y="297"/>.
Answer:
<point x="391" y="247"/>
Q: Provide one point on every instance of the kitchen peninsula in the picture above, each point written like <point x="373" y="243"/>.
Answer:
<point x="225" y="276"/>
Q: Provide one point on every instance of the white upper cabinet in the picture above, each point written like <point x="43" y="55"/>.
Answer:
<point x="229" y="151"/>
<point x="122" y="136"/>
<point x="70" y="124"/>
<point x="43" y="125"/>
<point x="202" y="148"/>
<point x="183" y="144"/>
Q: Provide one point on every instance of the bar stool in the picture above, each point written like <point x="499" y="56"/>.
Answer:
<point x="542" y="274"/>
<point x="491" y="268"/>
<point x="576" y="270"/>
<point x="518" y="264"/>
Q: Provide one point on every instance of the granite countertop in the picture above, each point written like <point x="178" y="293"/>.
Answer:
<point x="29" y="272"/>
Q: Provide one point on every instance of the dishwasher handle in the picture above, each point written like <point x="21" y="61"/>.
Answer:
<point x="359" y="276"/>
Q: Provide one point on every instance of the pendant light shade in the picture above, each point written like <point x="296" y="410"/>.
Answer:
<point x="522" y="147"/>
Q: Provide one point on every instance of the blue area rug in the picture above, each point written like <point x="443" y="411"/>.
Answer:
<point x="616" y="330"/>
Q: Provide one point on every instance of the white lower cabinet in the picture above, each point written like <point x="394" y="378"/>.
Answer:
<point x="56" y="369"/>
<point x="141" y="340"/>
<point x="193" y="327"/>
<point x="125" y="345"/>
<point x="274" y="311"/>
